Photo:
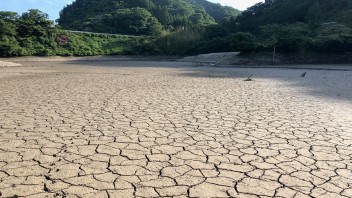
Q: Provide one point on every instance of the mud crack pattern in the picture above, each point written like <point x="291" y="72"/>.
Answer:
<point x="74" y="131"/>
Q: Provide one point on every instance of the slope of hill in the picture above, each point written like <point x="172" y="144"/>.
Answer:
<point x="141" y="16"/>
<point x="313" y="12"/>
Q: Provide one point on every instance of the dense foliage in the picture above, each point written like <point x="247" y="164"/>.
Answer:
<point x="140" y="17"/>
<point x="298" y="26"/>
<point x="312" y="12"/>
<point x="290" y="26"/>
<point x="33" y="34"/>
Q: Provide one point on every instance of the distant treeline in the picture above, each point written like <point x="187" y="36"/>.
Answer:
<point x="32" y="34"/>
<point x="198" y="26"/>
<point x="289" y="26"/>
<point x="142" y="17"/>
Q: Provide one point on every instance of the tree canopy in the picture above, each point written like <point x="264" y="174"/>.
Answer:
<point x="141" y="16"/>
<point x="33" y="33"/>
<point x="293" y="11"/>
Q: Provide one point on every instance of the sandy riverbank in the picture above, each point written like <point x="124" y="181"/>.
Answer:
<point x="225" y="60"/>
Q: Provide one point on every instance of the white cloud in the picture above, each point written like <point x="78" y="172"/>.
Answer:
<point x="239" y="4"/>
<point x="58" y="3"/>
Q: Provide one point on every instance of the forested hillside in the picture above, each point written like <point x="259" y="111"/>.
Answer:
<point x="32" y="34"/>
<point x="141" y="17"/>
<point x="312" y="12"/>
<point x="296" y="26"/>
<point x="303" y="27"/>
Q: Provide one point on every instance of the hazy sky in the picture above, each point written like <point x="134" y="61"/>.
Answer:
<point x="53" y="7"/>
<point x="239" y="4"/>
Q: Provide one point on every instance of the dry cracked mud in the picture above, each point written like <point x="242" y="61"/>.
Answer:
<point x="85" y="130"/>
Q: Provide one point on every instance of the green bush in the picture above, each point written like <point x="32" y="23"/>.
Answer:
<point x="286" y="38"/>
<point x="334" y="38"/>
<point x="243" y="42"/>
<point x="213" y="45"/>
<point x="215" y="31"/>
<point x="177" y="43"/>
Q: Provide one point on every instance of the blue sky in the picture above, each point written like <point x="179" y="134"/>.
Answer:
<point x="53" y="7"/>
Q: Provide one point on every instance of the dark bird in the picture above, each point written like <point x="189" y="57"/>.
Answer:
<point x="304" y="74"/>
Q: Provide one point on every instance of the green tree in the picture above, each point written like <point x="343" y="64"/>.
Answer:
<point x="112" y="16"/>
<point x="243" y="42"/>
<point x="295" y="38"/>
<point x="345" y="17"/>
<point x="286" y="38"/>
<point x="269" y="36"/>
<point x="34" y="23"/>
<point x="7" y="28"/>
<point x="134" y="21"/>
<point x="8" y="16"/>
<point x="9" y="46"/>
<point x="334" y="38"/>
<point x="313" y="16"/>
<point x="179" y="42"/>
<point x="147" y="4"/>
<point x="215" y="30"/>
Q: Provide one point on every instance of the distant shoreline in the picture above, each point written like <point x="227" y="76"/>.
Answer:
<point x="90" y="58"/>
<point x="216" y="60"/>
<point x="212" y="59"/>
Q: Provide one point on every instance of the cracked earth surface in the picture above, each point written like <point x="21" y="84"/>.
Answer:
<point x="86" y="131"/>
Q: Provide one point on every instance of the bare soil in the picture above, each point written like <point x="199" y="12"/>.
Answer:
<point x="88" y="128"/>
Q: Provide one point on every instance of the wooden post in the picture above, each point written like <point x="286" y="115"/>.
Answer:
<point x="274" y="52"/>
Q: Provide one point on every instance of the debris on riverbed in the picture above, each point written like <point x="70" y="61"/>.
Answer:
<point x="249" y="78"/>
<point x="9" y="64"/>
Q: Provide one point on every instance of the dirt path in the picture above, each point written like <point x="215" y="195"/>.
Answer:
<point x="83" y="130"/>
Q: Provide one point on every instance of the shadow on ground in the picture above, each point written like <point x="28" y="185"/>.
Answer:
<point x="320" y="83"/>
<point x="138" y="63"/>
